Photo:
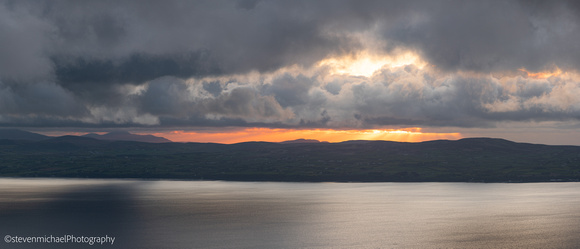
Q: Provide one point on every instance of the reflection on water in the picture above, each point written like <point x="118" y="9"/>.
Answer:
<point x="213" y="214"/>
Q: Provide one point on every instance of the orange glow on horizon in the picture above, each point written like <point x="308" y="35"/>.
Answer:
<point x="325" y="135"/>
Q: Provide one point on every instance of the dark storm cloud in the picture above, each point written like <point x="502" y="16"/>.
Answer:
<point x="266" y="37"/>
<point x="249" y="35"/>
<point x="316" y="123"/>
<point x="173" y="97"/>
<point x="247" y="4"/>
<point x="333" y="87"/>
<point x="213" y="87"/>
<point x="162" y="63"/>
<point x="39" y="99"/>
<point x="135" y="69"/>
<point x="492" y="35"/>
<point x="41" y="121"/>
<point x="289" y="90"/>
<point x="23" y="36"/>
<point x="165" y="96"/>
<point x="96" y="80"/>
<point x="200" y="121"/>
<point x="244" y="102"/>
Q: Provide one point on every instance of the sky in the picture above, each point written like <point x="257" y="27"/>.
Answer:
<point x="250" y="70"/>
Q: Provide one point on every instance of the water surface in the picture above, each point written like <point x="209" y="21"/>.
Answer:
<point x="214" y="214"/>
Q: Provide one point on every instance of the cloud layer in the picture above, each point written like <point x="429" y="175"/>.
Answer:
<point x="257" y="63"/>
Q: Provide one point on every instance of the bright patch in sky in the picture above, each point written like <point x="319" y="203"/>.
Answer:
<point x="366" y="63"/>
<point x="542" y="74"/>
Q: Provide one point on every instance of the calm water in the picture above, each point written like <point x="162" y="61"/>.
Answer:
<point x="210" y="214"/>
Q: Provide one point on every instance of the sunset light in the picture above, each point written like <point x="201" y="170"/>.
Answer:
<point x="543" y="74"/>
<point x="290" y="124"/>
<point x="366" y="63"/>
<point x="323" y="135"/>
<point x="235" y="71"/>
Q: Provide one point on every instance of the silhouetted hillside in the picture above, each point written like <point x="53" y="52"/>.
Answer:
<point x="72" y="140"/>
<point x="126" y="136"/>
<point x="15" y="134"/>
<point x="302" y="141"/>
<point x="472" y="159"/>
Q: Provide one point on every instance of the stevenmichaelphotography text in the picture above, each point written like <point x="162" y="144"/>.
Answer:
<point x="63" y="239"/>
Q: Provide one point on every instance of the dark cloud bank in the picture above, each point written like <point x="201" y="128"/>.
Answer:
<point x="254" y="63"/>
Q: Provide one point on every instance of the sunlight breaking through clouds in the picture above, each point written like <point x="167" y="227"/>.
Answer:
<point x="289" y="65"/>
<point x="366" y="63"/>
<point x="542" y="74"/>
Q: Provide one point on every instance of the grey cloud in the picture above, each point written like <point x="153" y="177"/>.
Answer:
<point x="303" y="95"/>
<point x="333" y="87"/>
<point x="266" y="37"/>
<point x="249" y="35"/>
<point x="135" y="69"/>
<point x="96" y="80"/>
<point x="44" y="99"/>
<point x="289" y="90"/>
<point x="402" y="98"/>
<point x="245" y="102"/>
<point x="165" y="96"/>
<point x="247" y="4"/>
<point x="174" y="98"/>
<point x="533" y="88"/>
<point x="213" y="87"/>
<point x="23" y="37"/>
<point x="116" y="63"/>
<point x="200" y="121"/>
<point x="43" y="121"/>
<point x="491" y="35"/>
<point x="92" y="48"/>
<point x="398" y="96"/>
<point x="317" y="123"/>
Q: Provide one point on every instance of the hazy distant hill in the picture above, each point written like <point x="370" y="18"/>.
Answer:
<point x="472" y="159"/>
<point x="15" y="134"/>
<point x="302" y="141"/>
<point x="126" y="136"/>
<point x="71" y="141"/>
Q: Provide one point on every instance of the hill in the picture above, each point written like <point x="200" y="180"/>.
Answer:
<point x="71" y="141"/>
<point x="302" y="141"/>
<point x="465" y="160"/>
<point x="15" y="134"/>
<point x="126" y="136"/>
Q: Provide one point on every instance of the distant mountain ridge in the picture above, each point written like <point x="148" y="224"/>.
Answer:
<point x="303" y="141"/>
<point x="126" y="136"/>
<point x="464" y="160"/>
<point x="68" y="140"/>
<point x="16" y="134"/>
